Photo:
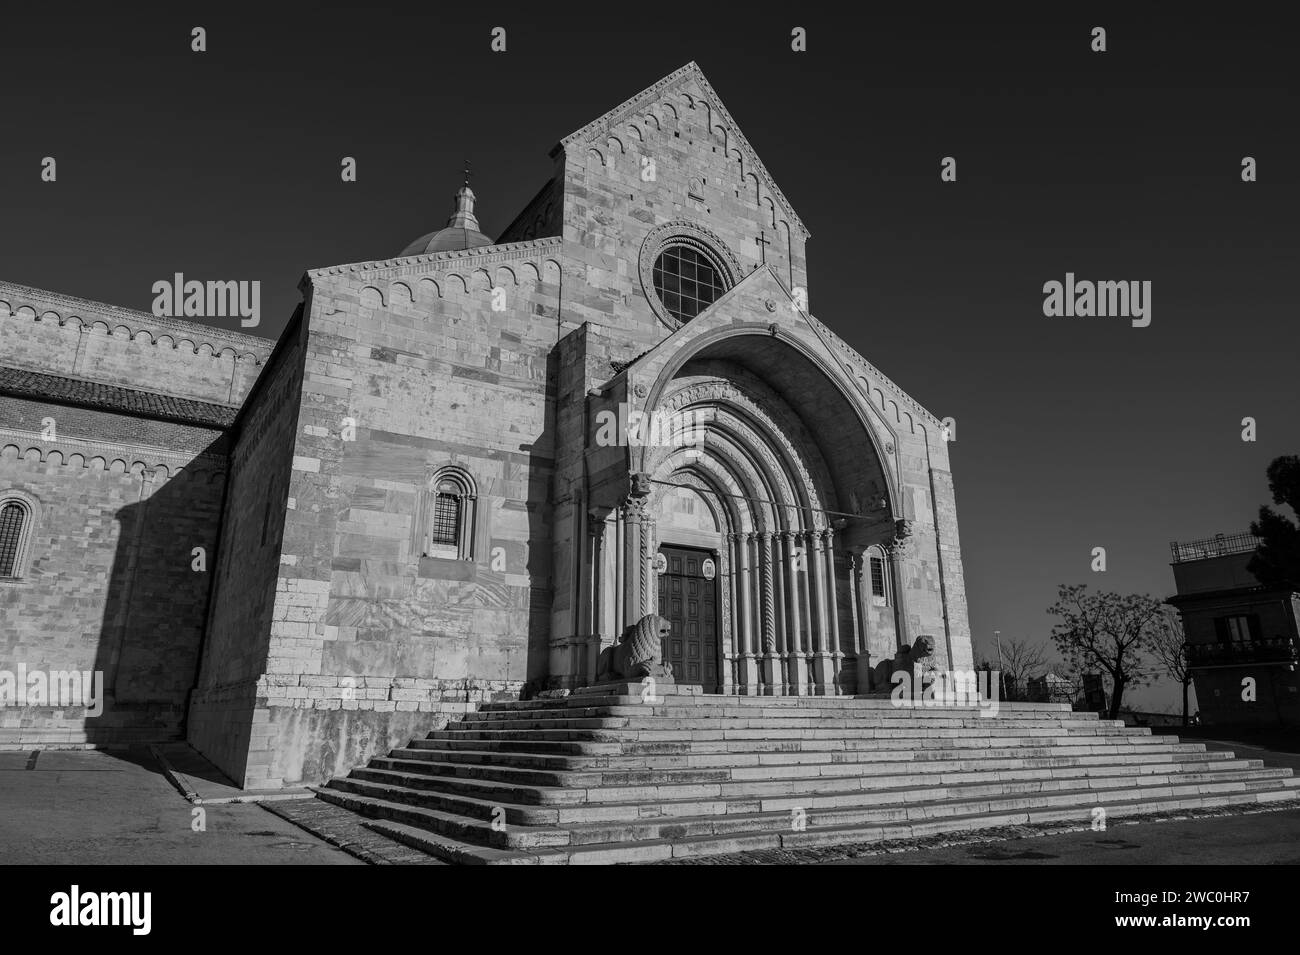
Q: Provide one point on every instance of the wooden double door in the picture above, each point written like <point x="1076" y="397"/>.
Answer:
<point x="688" y="597"/>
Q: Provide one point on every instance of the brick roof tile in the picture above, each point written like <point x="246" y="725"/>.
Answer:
<point x="76" y="391"/>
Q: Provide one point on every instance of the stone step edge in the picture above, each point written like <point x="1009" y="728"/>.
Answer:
<point x="450" y="850"/>
<point x="1187" y="751"/>
<point x="898" y="767"/>
<point x="453" y="783"/>
<point x="563" y="834"/>
<point x="491" y="805"/>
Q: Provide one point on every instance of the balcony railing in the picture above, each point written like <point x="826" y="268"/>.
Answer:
<point x="1219" y="545"/>
<point x="1270" y="650"/>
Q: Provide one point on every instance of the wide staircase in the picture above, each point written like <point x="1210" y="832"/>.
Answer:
<point x="605" y="775"/>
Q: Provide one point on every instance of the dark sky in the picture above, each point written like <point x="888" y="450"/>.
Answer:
<point x="1072" y="433"/>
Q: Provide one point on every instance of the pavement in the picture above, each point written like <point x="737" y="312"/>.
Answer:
<point x="88" y="807"/>
<point x="1270" y="837"/>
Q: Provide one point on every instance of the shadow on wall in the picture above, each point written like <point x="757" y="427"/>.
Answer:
<point x="156" y="603"/>
<point x="541" y="529"/>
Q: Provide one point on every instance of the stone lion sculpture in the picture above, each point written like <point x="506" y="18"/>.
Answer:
<point x="909" y="657"/>
<point x="638" y="653"/>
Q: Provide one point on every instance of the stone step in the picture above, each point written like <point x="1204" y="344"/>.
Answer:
<point x="431" y="830"/>
<point x="496" y="768"/>
<point x="695" y="753"/>
<point x="812" y="788"/>
<point x="773" y="735"/>
<point x="464" y="829"/>
<point x="631" y="695"/>
<point x="779" y="819"/>
<point x="597" y="742"/>
<point x="890" y="714"/>
<point x="707" y="799"/>
<point x="567" y="789"/>
<point x="826" y="726"/>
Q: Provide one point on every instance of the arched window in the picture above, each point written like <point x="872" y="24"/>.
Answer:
<point x="878" y="575"/>
<point x="15" y="533"/>
<point x="445" y="516"/>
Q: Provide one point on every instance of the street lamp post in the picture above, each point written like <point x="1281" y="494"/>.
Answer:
<point x="1002" y="686"/>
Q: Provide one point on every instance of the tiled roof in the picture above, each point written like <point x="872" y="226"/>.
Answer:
<point x="94" y="394"/>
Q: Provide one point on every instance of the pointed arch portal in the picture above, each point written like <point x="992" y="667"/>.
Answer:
<point x="759" y="470"/>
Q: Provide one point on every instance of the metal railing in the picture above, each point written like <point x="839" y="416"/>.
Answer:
<point x="1219" y="545"/>
<point x="1268" y="650"/>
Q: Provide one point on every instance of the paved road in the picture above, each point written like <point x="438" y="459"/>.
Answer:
<point x="93" y="808"/>
<point x="1264" y="838"/>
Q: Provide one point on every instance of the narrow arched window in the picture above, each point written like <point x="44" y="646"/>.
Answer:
<point x="445" y="524"/>
<point x="877" y="573"/>
<point x="15" y="528"/>
<point x="446" y="514"/>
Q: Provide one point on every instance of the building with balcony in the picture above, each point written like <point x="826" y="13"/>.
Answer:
<point x="1241" y="635"/>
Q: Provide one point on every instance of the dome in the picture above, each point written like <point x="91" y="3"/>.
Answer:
<point x="461" y="231"/>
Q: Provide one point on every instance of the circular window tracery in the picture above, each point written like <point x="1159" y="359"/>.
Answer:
<point x="685" y="268"/>
<point x="686" y="280"/>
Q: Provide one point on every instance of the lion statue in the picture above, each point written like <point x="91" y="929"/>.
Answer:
<point x="909" y="657"/>
<point x="638" y="653"/>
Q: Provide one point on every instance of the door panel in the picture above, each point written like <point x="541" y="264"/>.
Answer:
<point x="690" y="602"/>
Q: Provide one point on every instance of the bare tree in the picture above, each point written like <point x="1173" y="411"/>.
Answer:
<point x="1169" y="646"/>
<point x="1022" y="660"/>
<point x="1109" y="631"/>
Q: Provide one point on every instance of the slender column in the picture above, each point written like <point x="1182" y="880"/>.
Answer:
<point x="822" y="670"/>
<point x="781" y="613"/>
<point x="796" y="665"/>
<point x="619" y="615"/>
<point x="595" y="608"/>
<point x="771" y="661"/>
<point x="733" y="620"/>
<point x="833" y="600"/>
<point x="465" y="545"/>
<point x="726" y="679"/>
<point x="649" y="579"/>
<point x="899" y="550"/>
<point x="634" y="557"/>
<point x="805" y="560"/>
<point x="858" y="569"/>
<point x="748" y="659"/>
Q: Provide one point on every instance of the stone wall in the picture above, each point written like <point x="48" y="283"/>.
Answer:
<point x="410" y="371"/>
<point x="59" y="335"/>
<point x="247" y="585"/>
<point x="112" y="584"/>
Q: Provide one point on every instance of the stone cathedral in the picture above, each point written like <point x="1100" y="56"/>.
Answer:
<point x="439" y="488"/>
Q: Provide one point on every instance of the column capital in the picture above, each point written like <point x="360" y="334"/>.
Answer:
<point x="899" y="547"/>
<point x="634" y="509"/>
<point x="638" y="484"/>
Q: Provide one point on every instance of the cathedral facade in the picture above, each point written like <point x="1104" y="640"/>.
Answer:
<point x="464" y="471"/>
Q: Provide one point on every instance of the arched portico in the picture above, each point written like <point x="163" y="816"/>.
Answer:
<point x="755" y="465"/>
